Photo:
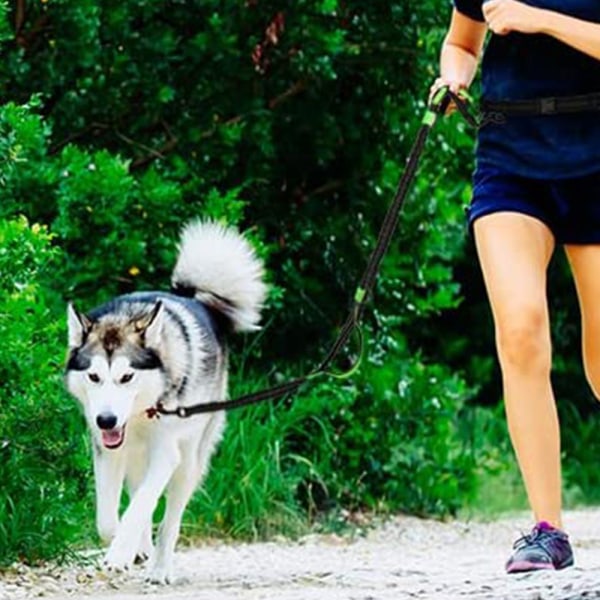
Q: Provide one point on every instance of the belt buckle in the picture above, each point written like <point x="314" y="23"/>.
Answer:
<point x="548" y="106"/>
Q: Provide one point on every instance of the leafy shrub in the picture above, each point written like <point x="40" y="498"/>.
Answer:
<point x="43" y="457"/>
<point x="401" y="437"/>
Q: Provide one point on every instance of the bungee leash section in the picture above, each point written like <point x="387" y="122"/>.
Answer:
<point x="438" y="105"/>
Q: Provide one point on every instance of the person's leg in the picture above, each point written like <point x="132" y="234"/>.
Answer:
<point x="514" y="251"/>
<point x="585" y="265"/>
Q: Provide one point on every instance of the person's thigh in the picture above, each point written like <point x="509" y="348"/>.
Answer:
<point x="585" y="265"/>
<point x="514" y="251"/>
<point x="496" y="191"/>
<point x="576" y="203"/>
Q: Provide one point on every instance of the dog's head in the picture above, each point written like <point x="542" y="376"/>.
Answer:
<point x="114" y="367"/>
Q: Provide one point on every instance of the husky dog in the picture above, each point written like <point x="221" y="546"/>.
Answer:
<point x="148" y="347"/>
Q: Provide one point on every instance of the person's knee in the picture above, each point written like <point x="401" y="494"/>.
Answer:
<point x="524" y="342"/>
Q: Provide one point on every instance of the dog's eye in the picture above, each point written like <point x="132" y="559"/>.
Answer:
<point x="94" y="377"/>
<point x="126" y="378"/>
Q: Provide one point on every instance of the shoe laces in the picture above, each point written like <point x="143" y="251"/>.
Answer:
<point x="542" y="538"/>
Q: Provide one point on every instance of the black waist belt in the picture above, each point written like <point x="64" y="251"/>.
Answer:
<point x="542" y="106"/>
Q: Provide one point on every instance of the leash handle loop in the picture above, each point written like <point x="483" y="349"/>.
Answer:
<point x="355" y="366"/>
<point x="441" y="100"/>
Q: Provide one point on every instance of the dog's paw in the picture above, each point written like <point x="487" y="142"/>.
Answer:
<point x="141" y="558"/>
<point x="118" y="559"/>
<point x="160" y="571"/>
<point x="145" y="550"/>
<point x="160" y="576"/>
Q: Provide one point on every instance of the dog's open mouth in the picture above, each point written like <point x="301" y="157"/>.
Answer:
<point x="113" y="438"/>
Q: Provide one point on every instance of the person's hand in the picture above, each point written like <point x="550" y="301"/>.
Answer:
<point x="453" y="86"/>
<point x="504" y="16"/>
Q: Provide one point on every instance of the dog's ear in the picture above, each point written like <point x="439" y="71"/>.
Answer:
<point x="79" y="326"/>
<point x="151" y="325"/>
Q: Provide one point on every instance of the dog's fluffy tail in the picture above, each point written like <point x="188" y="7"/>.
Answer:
<point x="218" y="266"/>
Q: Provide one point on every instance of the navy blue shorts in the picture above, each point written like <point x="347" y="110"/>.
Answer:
<point x="569" y="207"/>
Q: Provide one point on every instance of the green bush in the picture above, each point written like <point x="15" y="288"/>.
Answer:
<point x="43" y="457"/>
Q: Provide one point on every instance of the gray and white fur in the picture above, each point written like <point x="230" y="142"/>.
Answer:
<point x="148" y="347"/>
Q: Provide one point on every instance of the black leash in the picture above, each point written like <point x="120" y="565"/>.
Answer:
<point x="437" y="106"/>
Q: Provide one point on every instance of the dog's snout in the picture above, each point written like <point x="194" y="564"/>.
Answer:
<point x="106" y="420"/>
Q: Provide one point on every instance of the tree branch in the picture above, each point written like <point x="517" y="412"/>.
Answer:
<point x="294" y="90"/>
<point x="93" y="127"/>
<point x="167" y="147"/>
<point x="24" y="39"/>
<point x="19" y="17"/>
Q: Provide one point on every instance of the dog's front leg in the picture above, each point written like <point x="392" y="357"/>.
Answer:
<point x="136" y="470"/>
<point x="195" y="456"/>
<point x="161" y="465"/>
<point x="109" y="473"/>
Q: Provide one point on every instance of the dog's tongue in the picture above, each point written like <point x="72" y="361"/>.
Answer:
<point x="112" y="438"/>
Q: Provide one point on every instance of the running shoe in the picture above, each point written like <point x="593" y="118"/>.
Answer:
<point x="544" y="548"/>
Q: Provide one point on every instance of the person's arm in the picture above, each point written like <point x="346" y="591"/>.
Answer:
<point x="460" y="53"/>
<point x="461" y="50"/>
<point x="504" y="16"/>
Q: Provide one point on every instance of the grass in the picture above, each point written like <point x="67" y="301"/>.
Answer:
<point x="252" y="489"/>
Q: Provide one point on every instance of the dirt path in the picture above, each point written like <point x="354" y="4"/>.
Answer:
<point x="405" y="558"/>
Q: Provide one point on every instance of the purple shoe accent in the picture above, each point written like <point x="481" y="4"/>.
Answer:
<point x="545" y="526"/>
<point x="525" y="565"/>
